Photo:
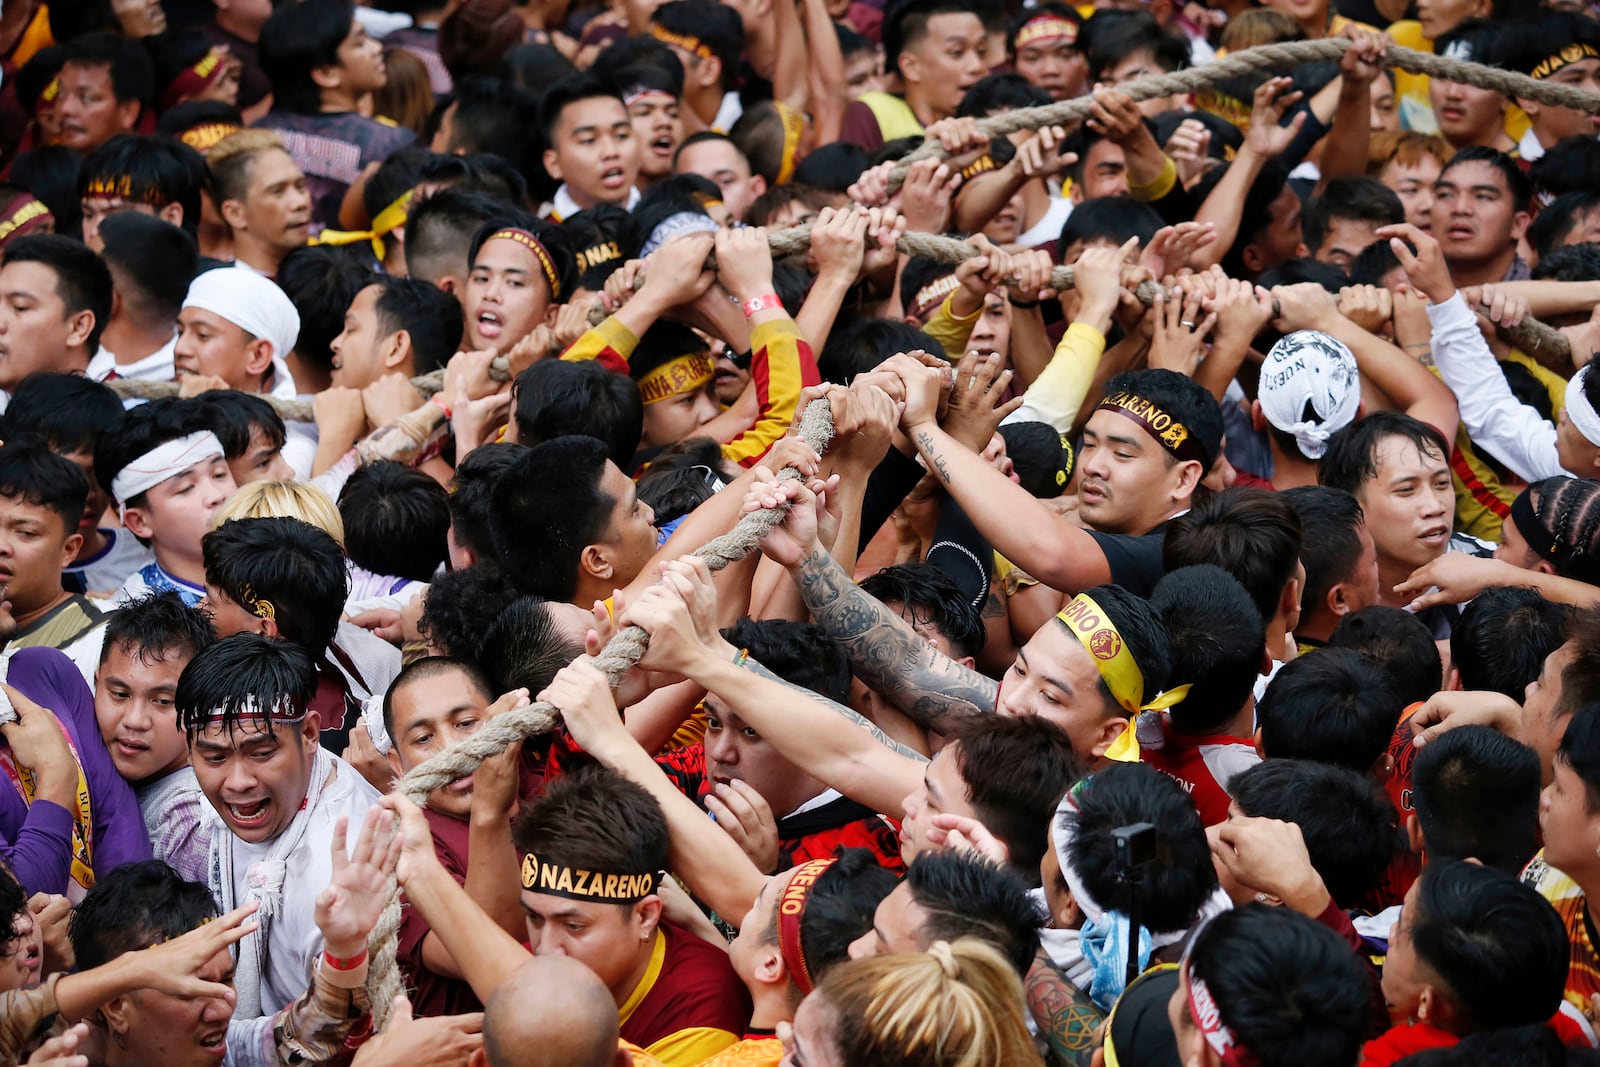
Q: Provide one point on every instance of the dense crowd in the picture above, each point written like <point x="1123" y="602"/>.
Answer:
<point x="1198" y="665"/>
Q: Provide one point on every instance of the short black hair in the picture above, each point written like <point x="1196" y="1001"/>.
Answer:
<point x="1574" y="263"/>
<point x="133" y="75"/>
<point x="429" y="315"/>
<point x="135" y="906"/>
<point x="1112" y="36"/>
<point x="149" y="170"/>
<point x="1500" y="642"/>
<point x="321" y="281"/>
<point x="1185" y="399"/>
<point x="152" y="423"/>
<point x="1329" y="557"/>
<point x="440" y="227"/>
<point x="1352" y="456"/>
<point x="1356" y="198"/>
<point x="1518" y="187"/>
<point x="1476" y="795"/>
<point x="928" y="595"/>
<point x="905" y="23"/>
<point x="1372" y="263"/>
<point x="458" y="609"/>
<point x="180" y="119"/>
<point x="716" y="25"/>
<point x="964" y="895"/>
<point x="681" y="477"/>
<point x="396" y="519"/>
<point x="428" y="667"/>
<point x="1109" y="218"/>
<point x="1042" y="457"/>
<point x="1178" y="881"/>
<point x="531" y="67"/>
<point x="523" y="646"/>
<point x="13" y="905"/>
<point x="995" y="93"/>
<point x="1287" y="986"/>
<point x="602" y="240"/>
<point x="82" y="280"/>
<point x="1219" y="640"/>
<point x="857" y="345"/>
<point x="832" y="167"/>
<point x="1333" y="705"/>
<point x="293" y="565"/>
<point x="594" y="818"/>
<point x="51" y="174"/>
<point x="1499" y="947"/>
<point x="491" y="116"/>
<point x="40" y="478"/>
<point x="798" y="652"/>
<point x="1400" y="643"/>
<point x="151" y="263"/>
<point x="234" y="415"/>
<point x="243" y="680"/>
<point x="563" y="397"/>
<point x="1015" y="769"/>
<point x="157" y="625"/>
<point x="1350" y="826"/>
<point x="69" y="411"/>
<point x="1570" y="165"/>
<point x="298" y="40"/>
<point x="568" y="91"/>
<point x="1253" y="534"/>
<point x="546" y="510"/>
<point x="476" y="475"/>
<point x="1557" y="219"/>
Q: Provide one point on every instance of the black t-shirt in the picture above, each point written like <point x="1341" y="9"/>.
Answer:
<point x="1135" y="562"/>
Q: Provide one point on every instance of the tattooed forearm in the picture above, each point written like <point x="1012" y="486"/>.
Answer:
<point x="887" y="654"/>
<point x="1066" y="1016"/>
<point x="936" y="461"/>
<point x="843" y="712"/>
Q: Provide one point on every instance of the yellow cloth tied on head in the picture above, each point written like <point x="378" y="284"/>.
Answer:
<point x="1098" y="634"/>
<point x="389" y="220"/>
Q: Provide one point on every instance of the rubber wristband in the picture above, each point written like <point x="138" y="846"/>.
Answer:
<point x="434" y="399"/>
<point x="761" y="303"/>
<point x="338" y="964"/>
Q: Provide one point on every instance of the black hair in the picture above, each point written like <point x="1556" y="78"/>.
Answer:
<point x="1518" y="187"/>
<point x="1107" y="41"/>
<point x="651" y="73"/>
<point x="40" y="478"/>
<point x="1476" y="795"/>
<point x="832" y="167"/>
<point x="603" y="241"/>
<point x="151" y="263"/>
<point x="484" y="173"/>
<point x="157" y="625"/>
<point x="717" y="26"/>
<point x="1357" y="198"/>
<point x="1574" y="263"/>
<point x="133" y="76"/>
<point x="243" y="680"/>
<point x="1333" y="705"/>
<point x="546" y="510"/>
<point x="523" y="647"/>
<point x="491" y="116"/>
<point x="761" y="137"/>
<point x="1571" y="165"/>
<point x="594" y="818"/>
<point x="1372" y="263"/>
<point x="1180" y="878"/>
<point x="152" y="423"/>
<point x="70" y="21"/>
<point x="476" y="475"/>
<point x="1350" y="827"/>
<point x="234" y="415"/>
<point x="1180" y="396"/>
<point x="1252" y="534"/>
<point x="1287" y="986"/>
<point x="135" y="906"/>
<point x="1500" y="642"/>
<point x="644" y="50"/>
<point x="798" y="652"/>
<point x="35" y="76"/>
<point x="179" y="119"/>
<point x="150" y="170"/>
<point x="460" y="605"/>
<point x="663" y="342"/>
<point x="1015" y="769"/>
<point x="82" y="281"/>
<point x="840" y="908"/>
<point x="439" y="231"/>
<point x="930" y="596"/>
<point x="69" y="411"/>
<point x="568" y="91"/>
<point x="429" y="667"/>
<point x="1400" y="643"/>
<point x="554" y="239"/>
<point x="395" y="520"/>
<point x="13" y="906"/>
<point x="1303" y="269"/>
<point x="1557" y="219"/>
<point x="1218" y="642"/>
<point x="398" y="174"/>
<point x="858" y="345"/>
<point x="1041" y="457"/>
<point x="680" y="477"/>
<point x="298" y="40"/>
<point x="292" y="564"/>
<point x="963" y="895"/>
<point x="430" y="316"/>
<point x="51" y="174"/>
<point x="1001" y="92"/>
<point x="321" y="281"/>
<point x="1352" y="456"/>
<point x="562" y="398"/>
<point x="1330" y="557"/>
<point x="1499" y="947"/>
<point x="1109" y="218"/>
<point x="905" y="22"/>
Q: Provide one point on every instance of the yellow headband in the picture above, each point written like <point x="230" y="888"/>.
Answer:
<point x="119" y="187"/>
<point x="794" y="124"/>
<point x="389" y="220"/>
<point x="531" y="243"/>
<point x="203" y="138"/>
<point x="1045" y="28"/>
<point x="1572" y="53"/>
<point x="693" y="45"/>
<point x="1093" y="627"/>
<point x="676" y="376"/>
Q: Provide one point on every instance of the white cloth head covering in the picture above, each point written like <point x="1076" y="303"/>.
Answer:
<point x="250" y="301"/>
<point x="1580" y="412"/>
<point x="1310" y="368"/>
<point x="167" y="460"/>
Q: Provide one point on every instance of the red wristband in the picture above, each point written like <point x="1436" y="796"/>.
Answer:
<point x="434" y="399"/>
<point x="338" y="964"/>
<point x="761" y="303"/>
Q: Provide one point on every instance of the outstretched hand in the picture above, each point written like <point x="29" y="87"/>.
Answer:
<point x="349" y="907"/>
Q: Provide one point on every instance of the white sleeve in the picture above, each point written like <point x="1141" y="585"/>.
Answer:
<point x="1495" y="419"/>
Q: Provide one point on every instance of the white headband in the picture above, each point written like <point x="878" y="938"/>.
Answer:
<point x="372" y="720"/>
<point x="1310" y="367"/>
<point x="1580" y="411"/>
<point x="166" y="460"/>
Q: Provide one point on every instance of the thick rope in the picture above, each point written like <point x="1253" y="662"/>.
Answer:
<point x="501" y="732"/>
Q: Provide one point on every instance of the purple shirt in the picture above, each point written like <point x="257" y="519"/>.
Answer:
<point x="37" y="840"/>
<point x="333" y="149"/>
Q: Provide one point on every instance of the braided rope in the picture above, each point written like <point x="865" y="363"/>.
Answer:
<point x="499" y="733"/>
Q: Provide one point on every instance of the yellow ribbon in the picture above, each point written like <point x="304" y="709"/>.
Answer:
<point x="389" y="220"/>
<point x="1094" y="629"/>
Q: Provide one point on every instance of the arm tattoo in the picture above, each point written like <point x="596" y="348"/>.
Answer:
<point x="936" y="461"/>
<point x="843" y="713"/>
<point x="1067" y="1018"/>
<point x="888" y="654"/>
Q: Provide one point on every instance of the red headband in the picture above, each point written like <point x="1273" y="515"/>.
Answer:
<point x="791" y="910"/>
<point x="195" y="79"/>
<point x="23" y="214"/>
<point x="532" y="244"/>
<point x="1203" y="1008"/>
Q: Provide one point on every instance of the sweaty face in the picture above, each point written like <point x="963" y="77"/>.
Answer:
<point x="1409" y="503"/>
<point x="606" y="938"/>
<point x="659" y="130"/>
<point x="430" y="715"/>
<point x="1128" y="478"/>
<point x="947" y="60"/>
<point x="88" y="109"/>
<point x="507" y="295"/>
<point x="255" y="777"/>
<point x="210" y="344"/>
<point x="1055" y="678"/>
<point x="359" y="351"/>
<point x="1571" y="831"/>
<point x="897" y="926"/>
<point x="735" y="751"/>
<point x="276" y="208"/>
<point x="133" y="705"/>
<point x="35" y="329"/>
<point x="1413" y="184"/>
<point x="1474" y="217"/>
<point x="178" y="1031"/>
<point x="596" y="152"/>
<point x="34" y="546"/>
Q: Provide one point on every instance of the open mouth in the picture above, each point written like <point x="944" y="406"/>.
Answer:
<point x="1091" y="494"/>
<point x="662" y="146"/>
<point x="613" y="178"/>
<point x="249" y="815"/>
<point x="489" y="324"/>
<point x="215" y="1042"/>
<point x="460" y="785"/>
<point x="1435" y="537"/>
<point x="1459" y="233"/>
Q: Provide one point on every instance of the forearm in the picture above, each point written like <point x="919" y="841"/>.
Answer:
<point x="492" y="870"/>
<point x="825" y="72"/>
<point x="1066" y="1016"/>
<point x="1030" y="346"/>
<point x="783" y="365"/>
<point x="1548" y="298"/>
<point x="1222" y="364"/>
<point x="331" y="448"/>
<point x="821" y="308"/>
<point x="486" y="954"/>
<point x="790" y="77"/>
<point x="952" y="328"/>
<point x="1224" y="207"/>
<point x="985" y="196"/>
<point x="81" y="995"/>
<point x="653" y="721"/>
<point x="40" y="856"/>
<point x="1056" y="395"/>
<point x="1148" y="166"/>
<point x="1344" y="150"/>
<point x="1410" y="385"/>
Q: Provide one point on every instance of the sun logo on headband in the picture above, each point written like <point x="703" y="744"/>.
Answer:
<point x="1105" y="644"/>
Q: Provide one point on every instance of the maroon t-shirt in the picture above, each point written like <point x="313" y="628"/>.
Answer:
<point x="432" y="993"/>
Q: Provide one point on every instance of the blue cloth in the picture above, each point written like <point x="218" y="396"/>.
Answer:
<point x="1105" y="949"/>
